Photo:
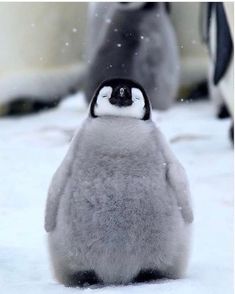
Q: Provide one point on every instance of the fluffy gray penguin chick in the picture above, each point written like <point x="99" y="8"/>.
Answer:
<point x="119" y="205"/>
<point x="136" y="41"/>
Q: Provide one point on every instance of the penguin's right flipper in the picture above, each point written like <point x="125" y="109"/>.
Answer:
<point x="52" y="205"/>
<point x="51" y="209"/>
<point x="177" y="180"/>
<point x="56" y="190"/>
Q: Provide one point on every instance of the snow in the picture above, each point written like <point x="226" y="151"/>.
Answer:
<point x="32" y="147"/>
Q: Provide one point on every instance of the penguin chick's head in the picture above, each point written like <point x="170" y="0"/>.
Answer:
<point x="120" y="97"/>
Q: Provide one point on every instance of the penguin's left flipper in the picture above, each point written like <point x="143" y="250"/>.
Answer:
<point x="177" y="180"/>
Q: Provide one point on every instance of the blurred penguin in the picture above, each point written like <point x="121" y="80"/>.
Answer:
<point x="216" y="33"/>
<point x="136" y="41"/>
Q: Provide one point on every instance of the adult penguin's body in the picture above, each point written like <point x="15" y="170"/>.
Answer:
<point x="118" y="206"/>
<point x="217" y="35"/>
<point x="135" y="41"/>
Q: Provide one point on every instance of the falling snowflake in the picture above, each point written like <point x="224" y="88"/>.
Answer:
<point x="119" y="45"/>
<point x="75" y="30"/>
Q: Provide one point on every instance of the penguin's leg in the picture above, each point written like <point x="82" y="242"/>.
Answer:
<point x="176" y="270"/>
<point x="71" y="277"/>
<point x="75" y="279"/>
<point x="222" y="111"/>
<point x="181" y="257"/>
<point x="148" y="275"/>
<point x="61" y="271"/>
<point x="174" y="267"/>
<point x="79" y="279"/>
<point x="69" y="270"/>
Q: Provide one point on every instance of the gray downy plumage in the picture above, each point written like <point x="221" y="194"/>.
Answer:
<point x="119" y="203"/>
<point x="135" y="41"/>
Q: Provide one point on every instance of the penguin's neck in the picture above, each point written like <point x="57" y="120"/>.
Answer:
<point x="118" y="134"/>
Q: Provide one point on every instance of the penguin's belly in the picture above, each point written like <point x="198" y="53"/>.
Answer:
<point x="122" y="221"/>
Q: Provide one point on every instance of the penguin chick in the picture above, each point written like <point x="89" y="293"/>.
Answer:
<point x="119" y="204"/>
<point x="136" y="41"/>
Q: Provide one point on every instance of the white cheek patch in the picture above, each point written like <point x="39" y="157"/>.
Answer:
<point x="137" y="96"/>
<point x="105" y="92"/>
<point x="104" y="107"/>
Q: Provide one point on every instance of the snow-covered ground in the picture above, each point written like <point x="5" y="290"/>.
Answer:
<point x="32" y="147"/>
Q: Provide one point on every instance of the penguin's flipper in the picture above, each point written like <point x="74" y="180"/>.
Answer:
<point x="51" y="210"/>
<point x="177" y="180"/>
<point x="224" y="43"/>
<point x="55" y="192"/>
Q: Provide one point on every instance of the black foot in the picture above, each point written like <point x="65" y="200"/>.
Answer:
<point x="223" y="112"/>
<point x="83" y="279"/>
<point x="147" y="276"/>
<point x="199" y="92"/>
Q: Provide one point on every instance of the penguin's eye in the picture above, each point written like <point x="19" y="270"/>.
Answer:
<point x="105" y="92"/>
<point x="137" y="94"/>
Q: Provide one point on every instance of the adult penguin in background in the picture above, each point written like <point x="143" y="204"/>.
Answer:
<point x="217" y="35"/>
<point x="136" y="41"/>
<point x="118" y="207"/>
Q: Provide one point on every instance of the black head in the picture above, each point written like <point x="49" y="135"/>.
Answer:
<point x="120" y="97"/>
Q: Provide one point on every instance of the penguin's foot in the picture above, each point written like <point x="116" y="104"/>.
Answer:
<point x="223" y="112"/>
<point x="148" y="275"/>
<point x="82" y="279"/>
<point x="199" y="92"/>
